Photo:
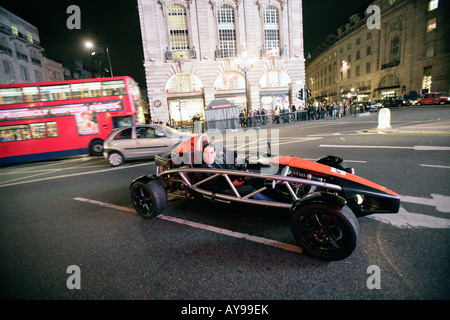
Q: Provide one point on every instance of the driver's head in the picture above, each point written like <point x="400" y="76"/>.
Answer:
<point x="209" y="154"/>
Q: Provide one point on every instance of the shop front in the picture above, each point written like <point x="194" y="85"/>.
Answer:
<point x="270" y="100"/>
<point x="182" y="110"/>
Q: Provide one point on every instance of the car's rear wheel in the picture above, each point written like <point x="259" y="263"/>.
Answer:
<point x="115" y="159"/>
<point x="325" y="232"/>
<point x="149" y="199"/>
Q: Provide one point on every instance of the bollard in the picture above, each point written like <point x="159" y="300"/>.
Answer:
<point x="384" y="119"/>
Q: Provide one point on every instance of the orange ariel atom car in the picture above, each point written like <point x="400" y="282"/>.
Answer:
<point x="324" y="197"/>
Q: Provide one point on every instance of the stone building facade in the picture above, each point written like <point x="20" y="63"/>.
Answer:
<point x="21" y="54"/>
<point x="196" y="52"/>
<point x="408" y="52"/>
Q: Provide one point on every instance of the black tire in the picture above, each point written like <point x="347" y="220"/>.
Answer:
<point x="324" y="232"/>
<point x="96" y="147"/>
<point x="115" y="159"/>
<point x="148" y="199"/>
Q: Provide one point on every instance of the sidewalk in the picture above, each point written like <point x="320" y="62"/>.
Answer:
<point x="441" y="127"/>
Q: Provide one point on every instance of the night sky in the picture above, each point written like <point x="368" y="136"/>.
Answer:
<point x="116" y="23"/>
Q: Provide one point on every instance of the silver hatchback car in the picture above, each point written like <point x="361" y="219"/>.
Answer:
<point x="140" y="141"/>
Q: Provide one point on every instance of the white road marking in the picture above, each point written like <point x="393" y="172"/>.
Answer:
<point x="416" y="148"/>
<point x="267" y="242"/>
<point x="10" y="183"/>
<point x="442" y="203"/>
<point x="361" y="147"/>
<point x="408" y="220"/>
<point x="434" y="166"/>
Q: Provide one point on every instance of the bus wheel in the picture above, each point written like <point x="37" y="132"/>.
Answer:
<point x="96" y="147"/>
<point x="115" y="159"/>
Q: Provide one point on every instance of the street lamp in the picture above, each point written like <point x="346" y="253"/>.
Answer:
<point x="90" y="45"/>
<point x="245" y="63"/>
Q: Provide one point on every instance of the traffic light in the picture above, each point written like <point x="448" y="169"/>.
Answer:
<point x="300" y="94"/>
<point x="308" y="93"/>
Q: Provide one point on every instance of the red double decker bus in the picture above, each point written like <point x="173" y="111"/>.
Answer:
<point x="56" y="119"/>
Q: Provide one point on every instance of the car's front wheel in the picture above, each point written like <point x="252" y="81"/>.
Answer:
<point x="149" y="199"/>
<point x="325" y="232"/>
<point x="115" y="159"/>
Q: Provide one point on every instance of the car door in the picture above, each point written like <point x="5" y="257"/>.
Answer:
<point x="150" y="141"/>
<point x="123" y="143"/>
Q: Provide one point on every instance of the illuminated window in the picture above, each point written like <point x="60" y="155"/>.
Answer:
<point x="31" y="94"/>
<point x="179" y="40"/>
<point x="433" y="4"/>
<point x="52" y="129"/>
<point x="426" y="81"/>
<point x="86" y="90"/>
<point x="183" y="82"/>
<point x="274" y="78"/>
<point x="29" y="37"/>
<point x="227" y="32"/>
<point x="113" y="88"/>
<point x="431" y="25"/>
<point x="50" y="93"/>
<point x="15" y="133"/>
<point x="14" y="29"/>
<point x="10" y="96"/>
<point x="38" y="130"/>
<point x="230" y="81"/>
<point x="271" y="32"/>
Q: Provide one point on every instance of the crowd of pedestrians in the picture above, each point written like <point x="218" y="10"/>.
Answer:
<point x="316" y="111"/>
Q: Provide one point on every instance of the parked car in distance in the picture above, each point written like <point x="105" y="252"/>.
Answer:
<point x="392" y="102"/>
<point x="140" y="141"/>
<point x="371" y="106"/>
<point x="432" y="98"/>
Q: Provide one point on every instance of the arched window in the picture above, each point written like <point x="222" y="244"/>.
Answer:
<point x="227" y="31"/>
<point x="178" y="32"/>
<point x="183" y="82"/>
<point x="230" y="81"/>
<point x="274" y="79"/>
<point x="271" y="32"/>
<point x="389" y="81"/>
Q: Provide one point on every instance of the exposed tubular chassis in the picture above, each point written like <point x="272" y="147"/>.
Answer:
<point x="276" y="180"/>
<point x="323" y="197"/>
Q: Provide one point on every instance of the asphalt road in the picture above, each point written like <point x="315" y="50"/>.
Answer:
<point x="72" y="217"/>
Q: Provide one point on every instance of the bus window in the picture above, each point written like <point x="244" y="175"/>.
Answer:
<point x="86" y="90"/>
<point x="113" y="88"/>
<point x="14" y="133"/>
<point x="38" y="130"/>
<point x="50" y="93"/>
<point x="52" y="129"/>
<point x="31" y="94"/>
<point x="122" y="121"/>
<point x="10" y="96"/>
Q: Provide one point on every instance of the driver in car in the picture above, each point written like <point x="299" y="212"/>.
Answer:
<point x="220" y="184"/>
